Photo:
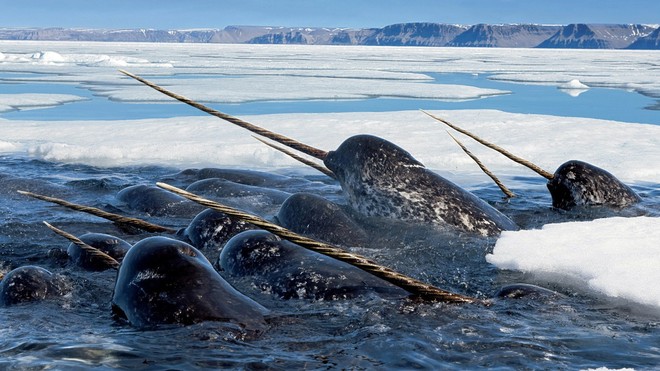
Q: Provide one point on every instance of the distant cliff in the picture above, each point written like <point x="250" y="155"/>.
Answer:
<point x="414" y="34"/>
<point x="592" y="36"/>
<point x="650" y="41"/>
<point x="509" y="36"/>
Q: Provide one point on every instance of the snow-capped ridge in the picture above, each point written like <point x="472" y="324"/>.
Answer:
<point x="577" y="35"/>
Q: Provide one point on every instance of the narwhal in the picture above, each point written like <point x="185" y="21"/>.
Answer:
<point x="574" y="183"/>
<point x="381" y="179"/>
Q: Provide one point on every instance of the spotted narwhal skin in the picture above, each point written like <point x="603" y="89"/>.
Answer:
<point x="110" y="245"/>
<point x="577" y="183"/>
<point x="290" y="271"/>
<point x="314" y="216"/>
<point x="29" y="283"/>
<point x="383" y="180"/>
<point x="156" y="201"/>
<point x="211" y="229"/>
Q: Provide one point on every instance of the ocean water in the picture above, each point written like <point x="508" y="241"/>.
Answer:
<point x="86" y="152"/>
<point x="575" y="330"/>
<point x="601" y="103"/>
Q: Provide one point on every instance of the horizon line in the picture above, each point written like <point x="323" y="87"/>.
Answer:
<point x="654" y="25"/>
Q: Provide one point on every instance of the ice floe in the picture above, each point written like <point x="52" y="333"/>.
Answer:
<point x="617" y="257"/>
<point x="629" y="151"/>
<point x="24" y="101"/>
<point x="85" y="62"/>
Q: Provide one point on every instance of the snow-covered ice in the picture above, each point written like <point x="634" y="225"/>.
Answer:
<point x="619" y="257"/>
<point x="360" y="71"/>
<point x="629" y="151"/>
<point x="25" y="101"/>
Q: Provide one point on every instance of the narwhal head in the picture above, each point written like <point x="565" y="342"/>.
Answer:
<point x="364" y="157"/>
<point x="577" y="183"/>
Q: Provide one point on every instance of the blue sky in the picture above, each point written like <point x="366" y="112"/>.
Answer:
<point x="179" y="14"/>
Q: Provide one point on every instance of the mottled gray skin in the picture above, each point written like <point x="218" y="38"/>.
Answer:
<point x="383" y="180"/>
<point x="29" y="283"/>
<point x="525" y="290"/>
<point x="250" y="177"/>
<point x="157" y="201"/>
<point x="314" y="216"/>
<point x="222" y="188"/>
<point x="247" y="177"/>
<point x="250" y="198"/>
<point x="162" y="281"/>
<point x="111" y="245"/>
<point x="293" y="272"/>
<point x="211" y="229"/>
<point x="577" y="183"/>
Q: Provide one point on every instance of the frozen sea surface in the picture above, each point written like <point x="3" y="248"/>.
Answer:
<point x="258" y="79"/>
<point x="600" y="262"/>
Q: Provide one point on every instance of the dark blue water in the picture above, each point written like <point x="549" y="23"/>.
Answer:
<point x="602" y="103"/>
<point x="573" y="331"/>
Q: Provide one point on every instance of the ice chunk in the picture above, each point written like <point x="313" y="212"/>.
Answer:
<point x="573" y="88"/>
<point x="619" y="257"/>
<point x="10" y="102"/>
<point x="49" y="57"/>
<point x="574" y="84"/>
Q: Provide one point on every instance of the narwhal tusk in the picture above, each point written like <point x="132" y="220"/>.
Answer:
<point x="415" y="287"/>
<point x="305" y="161"/>
<point x="314" y="152"/>
<point x="507" y="192"/>
<point x="497" y="148"/>
<point x="120" y="219"/>
<point x="107" y="259"/>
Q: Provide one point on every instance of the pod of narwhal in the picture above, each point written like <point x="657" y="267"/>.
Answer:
<point x="33" y="283"/>
<point x="249" y="221"/>
<point x="383" y="180"/>
<point x="380" y="179"/>
<point x="153" y="280"/>
<point x="414" y="287"/>
<point x="160" y="280"/>
<point x="574" y="183"/>
<point x="152" y="283"/>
